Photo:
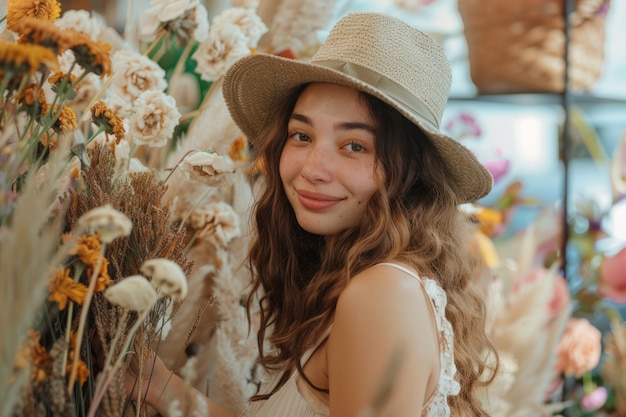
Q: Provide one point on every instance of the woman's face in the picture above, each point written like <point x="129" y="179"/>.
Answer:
<point x="327" y="165"/>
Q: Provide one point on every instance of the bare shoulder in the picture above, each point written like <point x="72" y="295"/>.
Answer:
<point x="383" y="312"/>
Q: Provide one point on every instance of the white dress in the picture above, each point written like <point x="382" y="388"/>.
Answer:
<point x="299" y="400"/>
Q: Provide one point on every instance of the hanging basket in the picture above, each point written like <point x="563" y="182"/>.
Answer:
<point x="518" y="46"/>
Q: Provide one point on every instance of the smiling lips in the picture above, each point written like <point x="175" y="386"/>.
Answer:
<point x="316" y="201"/>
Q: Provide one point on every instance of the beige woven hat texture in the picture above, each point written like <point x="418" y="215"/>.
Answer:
<point x="374" y="53"/>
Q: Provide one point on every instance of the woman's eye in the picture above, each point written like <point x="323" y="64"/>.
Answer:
<point x="355" y="147"/>
<point x="300" y="137"/>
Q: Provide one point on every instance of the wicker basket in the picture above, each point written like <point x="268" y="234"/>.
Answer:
<point x="518" y="46"/>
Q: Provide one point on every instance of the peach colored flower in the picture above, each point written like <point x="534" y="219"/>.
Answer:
<point x="225" y="45"/>
<point x="134" y="73"/>
<point x="208" y="168"/>
<point x="580" y="348"/>
<point x="154" y="118"/>
<point x="247" y="20"/>
<point x="612" y="284"/>
<point x="82" y="21"/>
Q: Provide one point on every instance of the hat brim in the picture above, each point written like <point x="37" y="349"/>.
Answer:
<point x="255" y="85"/>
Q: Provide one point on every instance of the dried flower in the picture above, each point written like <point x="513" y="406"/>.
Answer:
<point x="82" y="21"/>
<point x="113" y="124"/>
<point x="238" y="150"/>
<point x="208" y="168"/>
<point x="168" y="277"/>
<point x="580" y="348"/>
<point x="107" y="222"/>
<point x="247" y="20"/>
<point x="17" y="59"/>
<point x="612" y="281"/>
<point x="88" y="250"/>
<point x="132" y="293"/>
<point x="225" y="45"/>
<point x="17" y="10"/>
<point x="92" y="55"/>
<point x="66" y="120"/>
<point x="161" y="11"/>
<point x="154" y="118"/>
<point x="217" y="222"/>
<point x="43" y="33"/>
<point x="134" y="73"/>
<point x="63" y="288"/>
<point x="34" y="354"/>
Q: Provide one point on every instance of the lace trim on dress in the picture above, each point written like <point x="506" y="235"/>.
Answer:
<point x="437" y="406"/>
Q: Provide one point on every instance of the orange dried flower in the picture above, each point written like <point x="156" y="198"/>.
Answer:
<point x="48" y="141"/>
<point x="35" y="355"/>
<point x="101" y="115"/>
<point x="88" y="251"/>
<point x="17" y="10"/>
<point x="43" y="33"/>
<point x="66" y="121"/>
<point x="63" y="288"/>
<point x="83" y="370"/>
<point x="93" y="56"/>
<point x="15" y="58"/>
<point x="237" y="151"/>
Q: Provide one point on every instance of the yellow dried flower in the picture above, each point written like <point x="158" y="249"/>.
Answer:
<point x="17" y="10"/>
<point x="93" y="56"/>
<point x="101" y="115"/>
<point x="48" y="141"/>
<point x="66" y="121"/>
<point x="237" y="151"/>
<point x="34" y="354"/>
<point x="83" y="370"/>
<point x="88" y="251"/>
<point x="43" y="33"/>
<point x="63" y="288"/>
<point x="16" y="59"/>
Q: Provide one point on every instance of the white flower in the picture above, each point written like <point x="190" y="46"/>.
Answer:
<point x="201" y="18"/>
<point x="85" y="90"/>
<point x="186" y="91"/>
<point x="107" y="222"/>
<point x="167" y="276"/>
<point x="245" y="19"/>
<point x="297" y="24"/>
<point x="154" y="118"/>
<point x="132" y="293"/>
<point x="217" y="222"/>
<point x="208" y="168"/>
<point x="134" y="73"/>
<point x="225" y="45"/>
<point x="245" y="3"/>
<point x="161" y="11"/>
<point x="82" y="21"/>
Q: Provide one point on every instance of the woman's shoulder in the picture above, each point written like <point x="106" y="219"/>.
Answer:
<point x="373" y="291"/>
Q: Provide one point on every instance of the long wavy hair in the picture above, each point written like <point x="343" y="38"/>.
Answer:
<point x="413" y="218"/>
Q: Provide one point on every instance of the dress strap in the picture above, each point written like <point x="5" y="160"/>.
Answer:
<point x="307" y="355"/>
<point x="403" y="269"/>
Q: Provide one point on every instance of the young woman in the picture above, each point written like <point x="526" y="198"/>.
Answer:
<point x="362" y="260"/>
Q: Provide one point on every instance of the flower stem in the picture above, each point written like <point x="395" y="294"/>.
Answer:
<point x="84" y="312"/>
<point x="110" y="373"/>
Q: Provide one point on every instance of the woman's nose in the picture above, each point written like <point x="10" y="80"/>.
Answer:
<point x="318" y="164"/>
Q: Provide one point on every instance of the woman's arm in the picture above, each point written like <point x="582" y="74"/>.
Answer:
<point x="382" y="313"/>
<point x="168" y="394"/>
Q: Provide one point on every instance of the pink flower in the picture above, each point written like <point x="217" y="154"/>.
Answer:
<point x="612" y="284"/>
<point x="560" y="292"/>
<point x="580" y="348"/>
<point x="594" y="400"/>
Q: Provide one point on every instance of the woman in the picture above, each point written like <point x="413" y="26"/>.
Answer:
<point x="362" y="260"/>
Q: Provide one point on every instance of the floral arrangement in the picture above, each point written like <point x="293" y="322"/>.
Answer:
<point x="561" y="343"/>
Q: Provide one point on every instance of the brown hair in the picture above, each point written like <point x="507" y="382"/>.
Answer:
<point x="413" y="217"/>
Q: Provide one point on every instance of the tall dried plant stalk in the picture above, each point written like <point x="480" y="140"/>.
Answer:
<point x="29" y="243"/>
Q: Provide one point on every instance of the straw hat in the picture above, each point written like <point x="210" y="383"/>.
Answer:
<point x="374" y="53"/>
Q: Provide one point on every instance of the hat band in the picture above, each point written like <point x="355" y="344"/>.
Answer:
<point x="384" y="84"/>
